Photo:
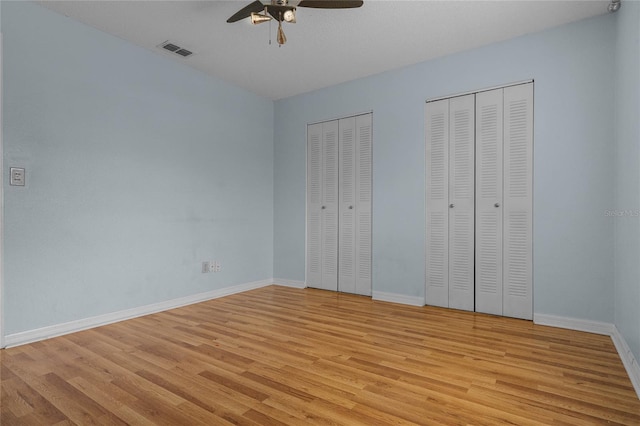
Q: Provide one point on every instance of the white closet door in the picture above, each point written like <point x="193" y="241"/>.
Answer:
<point x="362" y="206"/>
<point x="314" y="205"/>
<point x="518" y="201"/>
<point x="489" y="201"/>
<point x="329" y="208"/>
<point x="461" y="201"/>
<point x="437" y="203"/>
<point x="347" y="177"/>
<point x="339" y="205"/>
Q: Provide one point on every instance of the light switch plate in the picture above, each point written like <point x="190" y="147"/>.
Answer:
<point x="17" y="176"/>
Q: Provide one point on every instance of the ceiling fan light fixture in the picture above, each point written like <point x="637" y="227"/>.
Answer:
<point x="290" y="16"/>
<point x="257" y="18"/>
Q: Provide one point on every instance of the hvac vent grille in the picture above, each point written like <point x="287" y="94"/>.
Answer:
<point x="174" y="48"/>
<point x="184" y="52"/>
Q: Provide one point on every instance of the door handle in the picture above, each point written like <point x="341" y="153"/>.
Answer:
<point x="350" y="207"/>
<point x="451" y="205"/>
<point x="496" y="205"/>
<point x="323" y="207"/>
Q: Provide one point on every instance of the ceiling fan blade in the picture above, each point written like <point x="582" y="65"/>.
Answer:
<point x="331" y="4"/>
<point x="246" y="11"/>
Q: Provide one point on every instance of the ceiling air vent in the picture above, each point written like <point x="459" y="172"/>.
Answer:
<point x="184" y="52"/>
<point x="174" y="48"/>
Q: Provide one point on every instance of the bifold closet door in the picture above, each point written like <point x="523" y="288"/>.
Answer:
<point x="461" y="202"/>
<point x="489" y="203"/>
<point x="437" y="203"/>
<point x="479" y="206"/>
<point x="322" y="205"/>
<point x="339" y="155"/>
<point x="518" y="202"/>
<point x="354" y="266"/>
<point x="504" y="204"/>
<point x="450" y="197"/>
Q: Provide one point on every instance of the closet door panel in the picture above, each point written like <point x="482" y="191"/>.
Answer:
<point x="329" y="208"/>
<point x="314" y="204"/>
<point x="363" y="202"/>
<point x="518" y="201"/>
<point x="489" y="203"/>
<point x="461" y="202"/>
<point x="437" y="203"/>
<point x="322" y="202"/>
<point x="347" y="218"/>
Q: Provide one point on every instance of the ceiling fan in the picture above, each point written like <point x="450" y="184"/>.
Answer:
<point x="285" y="11"/>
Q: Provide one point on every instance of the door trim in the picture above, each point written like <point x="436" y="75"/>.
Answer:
<point x="475" y="92"/>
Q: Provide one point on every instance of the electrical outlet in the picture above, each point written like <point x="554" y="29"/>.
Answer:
<point x="206" y="267"/>
<point x="215" y="266"/>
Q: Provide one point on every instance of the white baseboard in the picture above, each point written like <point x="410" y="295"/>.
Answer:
<point x="628" y="360"/>
<point x="97" y="321"/>
<point x="289" y="283"/>
<point x="595" y="327"/>
<point x="397" y="298"/>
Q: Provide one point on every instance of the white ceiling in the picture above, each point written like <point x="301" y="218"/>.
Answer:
<point x="324" y="47"/>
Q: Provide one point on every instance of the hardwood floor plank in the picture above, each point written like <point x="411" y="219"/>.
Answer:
<point x="24" y="402"/>
<point x="264" y="419"/>
<point x="104" y="395"/>
<point x="235" y="386"/>
<point x="283" y="356"/>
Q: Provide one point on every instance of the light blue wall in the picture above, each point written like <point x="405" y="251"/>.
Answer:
<point x="138" y="169"/>
<point x="627" y="228"/>
<point x="573" y="68"/>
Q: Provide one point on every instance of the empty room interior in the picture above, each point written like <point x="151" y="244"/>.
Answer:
<point x="320" y="212"/>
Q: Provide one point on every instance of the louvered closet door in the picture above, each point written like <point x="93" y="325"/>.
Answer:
<point x="489" y="203"/>
<point x="329" y="208"/>
<point x="461" y="202"/>
<point x="314" y="205"/>
<point x="363" y="201"/>
<point x="437" y="203"/>
<point x="339" y="184"/>
<point x="479" y="184"/>
<point x="322" y="205"/>
<point x="347" y="237"/>
<point x="354" y="266"/>
<point x="518" y="201"/>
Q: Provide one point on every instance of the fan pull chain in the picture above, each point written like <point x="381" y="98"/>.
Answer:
<point x="282" y="39"/>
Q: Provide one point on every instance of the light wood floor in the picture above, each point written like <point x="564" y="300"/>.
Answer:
<point x="287" y="356"/>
